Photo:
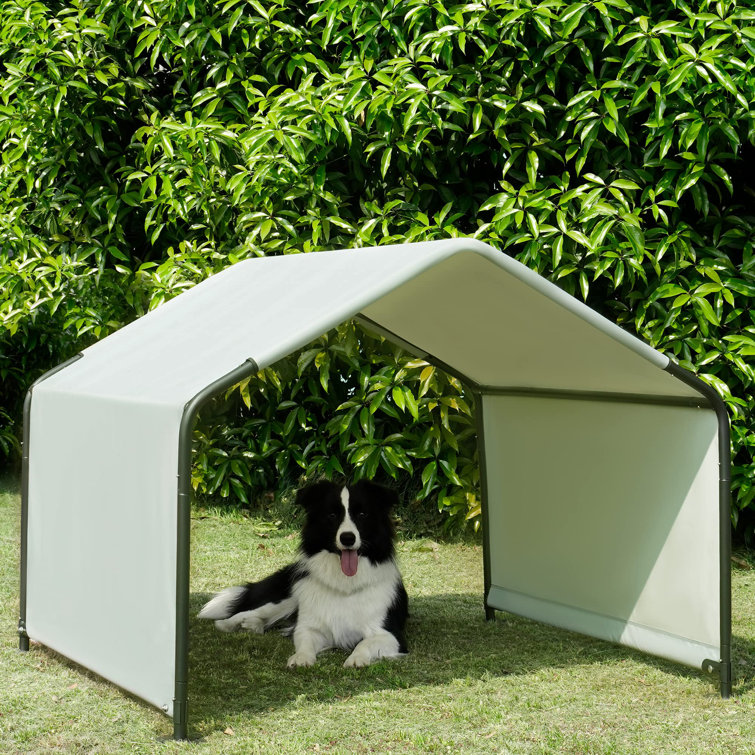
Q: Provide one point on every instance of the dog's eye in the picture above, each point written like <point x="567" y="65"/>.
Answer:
<point x="332" y="515"/>
<point x="361" y="514"/>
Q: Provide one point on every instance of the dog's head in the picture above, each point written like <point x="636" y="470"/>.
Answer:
<point x="351" y="521"/>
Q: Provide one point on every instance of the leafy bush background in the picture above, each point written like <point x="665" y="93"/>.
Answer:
<point x="145" y="145"/>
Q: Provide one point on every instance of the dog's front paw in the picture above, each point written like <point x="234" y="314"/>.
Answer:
<point x="301" y="658"/>
<point x="358" y="659"/>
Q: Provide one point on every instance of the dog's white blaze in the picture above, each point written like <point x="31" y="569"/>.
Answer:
<point x="347" y="525"/>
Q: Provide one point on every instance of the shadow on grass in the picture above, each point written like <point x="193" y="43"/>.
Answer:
<point x="448" y="639"/>
<point x="10" y="483"/>
<point x="743" y="665"/>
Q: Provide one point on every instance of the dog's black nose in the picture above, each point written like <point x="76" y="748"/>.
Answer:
<point x="347" y="539"/>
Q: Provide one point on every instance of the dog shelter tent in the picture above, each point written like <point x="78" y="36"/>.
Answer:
<point x="604" y="465"/>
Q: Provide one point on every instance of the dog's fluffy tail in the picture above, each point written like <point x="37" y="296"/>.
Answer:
<point x="224" y="604"/>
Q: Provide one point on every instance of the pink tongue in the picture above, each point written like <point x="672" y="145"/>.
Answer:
<point x="349" y="563"/>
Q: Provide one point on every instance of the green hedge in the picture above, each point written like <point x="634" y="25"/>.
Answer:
<point x="606" y="144"/>
<point x="349" y="405"/>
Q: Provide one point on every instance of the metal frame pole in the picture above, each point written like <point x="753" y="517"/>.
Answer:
<point x="23" y="637"/>
<point x="183" y="539"/>
<point x="483" y="467"/>
<point x="723" y="665"/>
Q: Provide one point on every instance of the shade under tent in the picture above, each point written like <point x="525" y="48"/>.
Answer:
<point x="604" y="465"/>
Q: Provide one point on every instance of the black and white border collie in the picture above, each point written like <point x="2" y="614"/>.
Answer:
<point x="345" y="590"/>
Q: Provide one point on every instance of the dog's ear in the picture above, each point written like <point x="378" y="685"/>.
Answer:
<point x="379" y="494"/>
<point x="311" y="495"/>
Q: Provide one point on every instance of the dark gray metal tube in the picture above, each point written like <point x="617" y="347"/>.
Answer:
<point x="606" y="396"/>
<point x="379" y="330"/>
<point x="23" y="637"/>
<point x="482" y="464"/>
<point x="477" y="391"/>
<point x="183" y="537"/>
<point x="724" y="514"/>
<point x="416" y="351"/>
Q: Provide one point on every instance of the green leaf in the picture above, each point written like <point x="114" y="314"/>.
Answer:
<point x="724" y="176"/>
<point x="366" y="422"/>
<point x="707" y="310"/>
<point x="378" y="399"/>
<point x="385" y="161"/>
<point x="579" y="237"/>
<point x="532" y="164"/>
<point x="723" y="78"/>
<point x="667" y="290"/>
<point x="557" y="251"/>
<point x="476" y="117"/>
<point x="622" y="183"/>
<point x="636" y="238"/>
<point x="411" y="403"/>
<point x="610" y="106"/>
<point x="678" y="77"/>
<point x="429" y="476"/>
<point x="398" y="397"/>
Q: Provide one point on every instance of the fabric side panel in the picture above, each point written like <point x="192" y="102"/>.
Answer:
<point x="607" y="508"/>
<point x="102" y="538"/>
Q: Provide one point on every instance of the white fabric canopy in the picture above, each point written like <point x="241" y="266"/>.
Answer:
<point x="584" y="426"/>
<point x="477" y="310"/>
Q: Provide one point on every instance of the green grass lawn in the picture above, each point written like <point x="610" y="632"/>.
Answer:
<point x="468" y="685"/>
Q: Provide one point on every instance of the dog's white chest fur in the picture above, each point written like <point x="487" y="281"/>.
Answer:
<point x="347" y="612"/>
<point x="344" y="609"/>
